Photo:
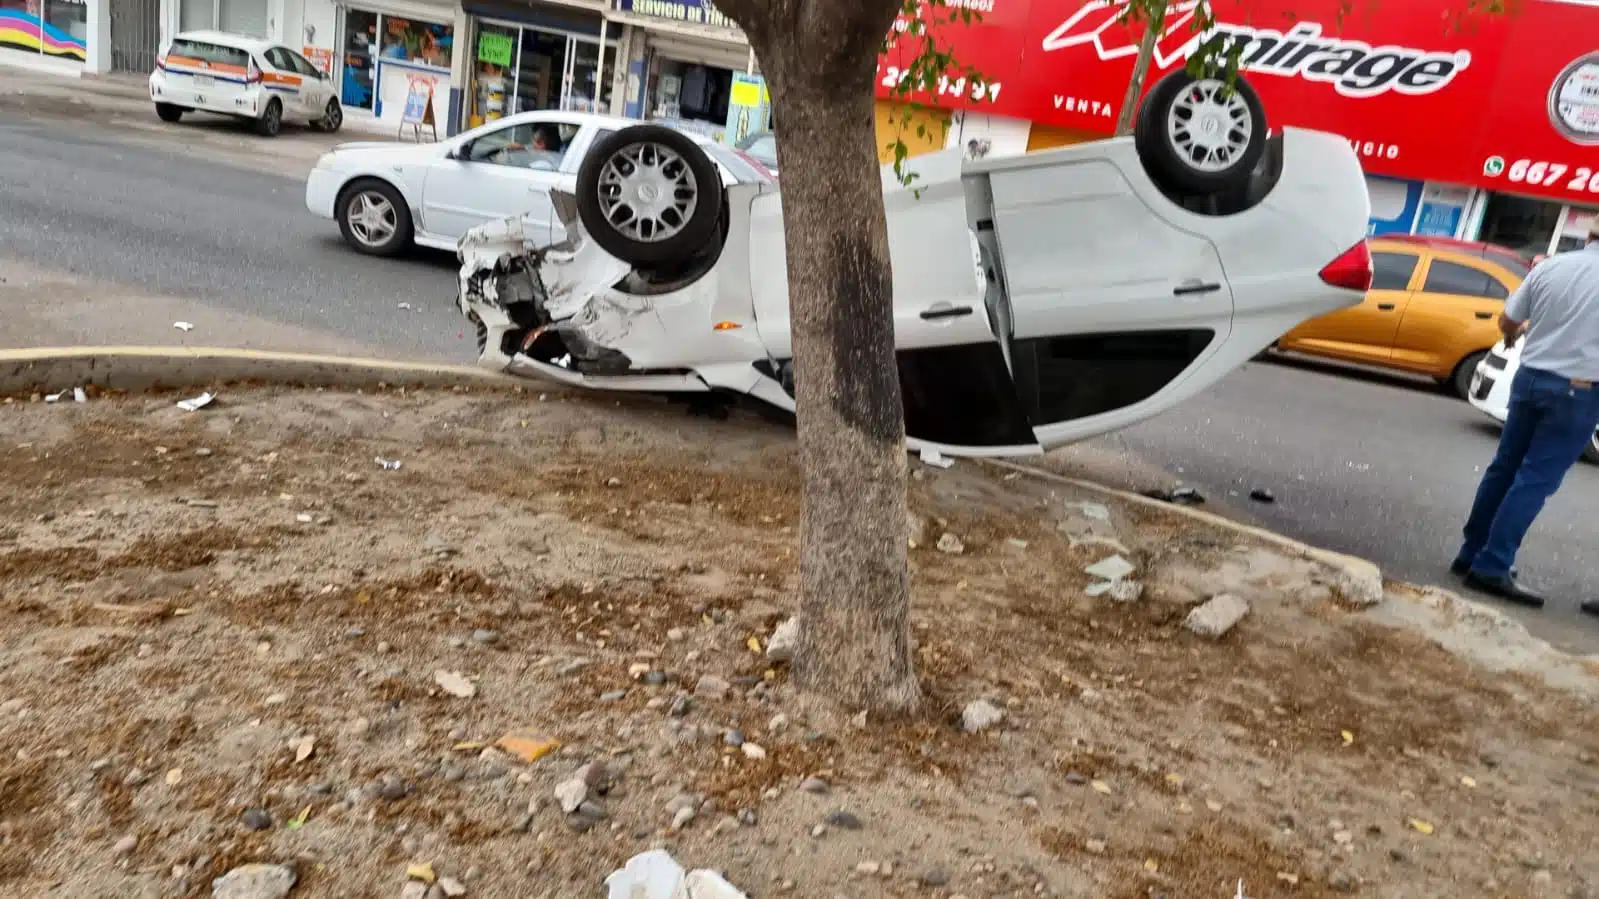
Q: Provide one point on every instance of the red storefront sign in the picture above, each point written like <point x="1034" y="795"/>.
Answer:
<point x="1421" y="89"/>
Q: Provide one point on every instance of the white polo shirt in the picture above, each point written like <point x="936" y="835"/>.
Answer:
<point x="1560" y="298"/>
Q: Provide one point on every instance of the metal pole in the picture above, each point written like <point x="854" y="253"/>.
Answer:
<point x="599" y="67"/>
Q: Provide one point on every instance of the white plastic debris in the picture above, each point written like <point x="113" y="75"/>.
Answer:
<point x="195" y="404"/>
<point x="1096" y="511"/>
<point x="656" y="875"/>
<point x="184" y="326"/>
<point x="78" y="396"/>
<point x="1110" y="568"/>
<point x="933" y="457"/>
<point x="54" y="397"/>
<point x="387" y="464"/>
<point x="405" y="306"/>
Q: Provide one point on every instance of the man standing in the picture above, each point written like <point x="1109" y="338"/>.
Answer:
<point x="1554" y="409"/>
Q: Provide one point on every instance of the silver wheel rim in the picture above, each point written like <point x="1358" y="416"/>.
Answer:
<point x="1209" y="126"/>
<point x="335" y="116"/>
<point x="272" y="118"/>
<point x="647" y="192"/>
<point x="1594" y="443"/>
<point x="372" y="218"/>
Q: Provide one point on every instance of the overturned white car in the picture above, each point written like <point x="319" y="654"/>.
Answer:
<point x="1038" y="300"/>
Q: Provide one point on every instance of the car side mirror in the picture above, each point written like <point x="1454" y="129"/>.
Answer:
<point x="462" y="153"/>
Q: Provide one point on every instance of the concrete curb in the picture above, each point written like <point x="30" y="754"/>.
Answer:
<point x="149" y="368"/>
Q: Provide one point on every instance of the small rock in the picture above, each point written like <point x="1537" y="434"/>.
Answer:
<point x="843" y="820"/>
<point x="1358" y="582"/>
<point x="785" y="640"/>
<point x="254" y="881"/>
<point x="593" y="810"/>
<point x="1218" y="616"/>
<point x="414" y="889"/>
<point x="613" y="482"/>
<point x="677" y="635"/>
<point x="733" y="738"/>
<point x="202" y="452"/>
<point x="655" y="679"/>
<point x="392" y="789"/>
<point x="682" y="818"/>
<point x="869" y="868"/>
<point x="1262" y="495"/>
<point x="778" y="724"/>
<point x="125" y="846"/>
<point x="754" y="752"/>
<point x="949" y="543"/>
<point x="597" y="775"/>
<point x="452" y="888"/>
<point x="485" y="637"/>
<point x="980" y="715"/>
<point x="1117" y="591"/>
<point x="256" y="818"/>
<point x="712" y="686"/>
<point x="436" y="545"/>
<point x="747" y="817"/>
<point x="1341" y="882"/>
<point x="455" y="684"/>
<point x="1076" y="779"/>
<point x="934" y="877"/>
<point x="571" y="793"/>
<point x="613" y="696"/>
<point x="1095" y="846"/>
<point x="814" y="785"/>
<point x="680" y="707"/>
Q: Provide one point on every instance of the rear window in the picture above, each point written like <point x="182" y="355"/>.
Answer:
<point x="211" y="53"/>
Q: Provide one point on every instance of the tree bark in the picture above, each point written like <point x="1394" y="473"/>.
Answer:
<point x="1135" y="87"/>
<point x="819" y="57"/>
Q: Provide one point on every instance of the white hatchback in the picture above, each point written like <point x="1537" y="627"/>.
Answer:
<point x="234" y="75"/>
<point x="387" y="196"/>
<point x="1490" y="389"/>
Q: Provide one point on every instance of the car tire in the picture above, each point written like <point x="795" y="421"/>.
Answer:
<point x="271" y="120"/>
<point x="373" y="218"/>
<point x="1591" y="451"/>
<point x="168" y="112"/>
<point x="1460" y="380"/>
<point x="1184" y="117"/>
<point x="648" y="195"/>
<point x="332" y="118"/>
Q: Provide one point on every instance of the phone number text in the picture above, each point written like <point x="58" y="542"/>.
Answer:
<point x="894" y="76"/>
<point x="1553" y="174"/>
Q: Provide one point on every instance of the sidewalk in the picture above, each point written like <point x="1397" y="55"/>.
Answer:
<point x="120" y="102"/>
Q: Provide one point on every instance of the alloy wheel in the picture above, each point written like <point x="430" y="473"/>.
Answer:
<point x="372" y="218"/>
<point x="647" y="192"/>
<point x="1209" y="125"/>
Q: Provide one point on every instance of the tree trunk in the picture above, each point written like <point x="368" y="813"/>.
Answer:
<point x="820" y="60"/>
<point x="1135" y="87"/>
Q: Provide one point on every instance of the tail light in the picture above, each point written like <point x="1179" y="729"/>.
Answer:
<point x="253" y="76"/>
<point x="1351" y="270"/>
<point x="161" y="61"/>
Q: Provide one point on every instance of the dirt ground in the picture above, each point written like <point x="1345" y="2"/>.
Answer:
<point x="217" y="614"/>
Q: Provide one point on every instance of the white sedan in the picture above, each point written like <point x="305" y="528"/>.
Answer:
<point x="1038" y="300"/>
<point x="1490" y="388"/>
<point x="387" y="196"/>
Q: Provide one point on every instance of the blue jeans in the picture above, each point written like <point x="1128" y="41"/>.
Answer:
<point x="1550" y="422"/>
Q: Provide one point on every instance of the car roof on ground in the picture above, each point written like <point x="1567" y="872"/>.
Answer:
<point x="223" y="38"/>
<point x="596" y="119"/>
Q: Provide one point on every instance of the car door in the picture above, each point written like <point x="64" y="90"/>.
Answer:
<point x="957" y="391"/>
<point x="286" y="82"/>
<point x="314" y="85"/>
<point x="1364" y="333"/>
<point x="1112" y="296"/>
<point x="1452" y="315"/>
<point x="504" y="172"/>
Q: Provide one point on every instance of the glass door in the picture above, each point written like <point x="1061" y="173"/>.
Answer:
<point x="586" y="88"/>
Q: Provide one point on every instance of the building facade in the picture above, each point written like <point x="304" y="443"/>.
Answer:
<point x="1468" y="125"/>
<point x="76" y="37"/>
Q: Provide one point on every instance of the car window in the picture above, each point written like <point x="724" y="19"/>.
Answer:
<point x="211" y="53"/>
<point x="1462" y="280"/>
<point x="1392" y="271"/>
<point x="279" y="58"/>
<point x="728" y="159"/>
<point x="303" y="65"/>
<point x="538" y="146"/>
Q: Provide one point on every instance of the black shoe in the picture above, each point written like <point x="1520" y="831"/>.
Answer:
<point x="1504" y="587"/>
<point x="1461" y="569"/>
<point x="1591" y="607"/>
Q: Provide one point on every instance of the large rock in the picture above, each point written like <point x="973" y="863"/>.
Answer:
<point x="1357" y="581"/>
<point x="254" y="881"/>
<point x="1217" y="617"/>
<point x="785" y="640"/>
<point x="980" y="715"/>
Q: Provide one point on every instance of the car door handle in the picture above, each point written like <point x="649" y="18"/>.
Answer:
<point x="946" y="312"/>
<point x="1192" y="287"/>
<point x="1386" y="307"/>
<point x="1485" y="315"/>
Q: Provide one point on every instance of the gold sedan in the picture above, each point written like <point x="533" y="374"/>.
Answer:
<point x="1431" y="310"/>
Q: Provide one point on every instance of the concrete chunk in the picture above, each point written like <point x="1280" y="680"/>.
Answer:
<point x="1217" y="617"/>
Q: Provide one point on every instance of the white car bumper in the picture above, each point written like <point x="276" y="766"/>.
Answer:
<point x="322" y="191"/>
<point x="1490" y="386"/>
<point x="222" y="95"/>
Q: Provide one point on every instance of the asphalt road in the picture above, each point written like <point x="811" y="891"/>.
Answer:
<point x="125" y="236"/>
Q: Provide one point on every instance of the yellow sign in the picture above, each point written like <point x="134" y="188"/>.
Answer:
<point x="747" y="93"/>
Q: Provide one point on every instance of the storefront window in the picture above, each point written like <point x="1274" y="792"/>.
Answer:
<point x="493" y="73"/>
<point x="689" y="92"/>
<point x="539" y="70"/>
<point x="1574" y="233"/>
<point x="1520" y="223"/>
<point x="421" y="43"/>
<point x="55" y="28"/>
<point x="357" y="87"/>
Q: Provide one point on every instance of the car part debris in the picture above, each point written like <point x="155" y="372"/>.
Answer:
<point x="1262" y="495"/>
<point x="54" y="397"/>
<point x="183" y="326"/>
<point x="656" y="875"/>
<point x="1111" y="568"/>
<point x="1180" y="496"/>
<point x="195" y="404"/>
<point x="387" y="464"/>
<point x="933" y="457"/>
<point x="405" y="306"/>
